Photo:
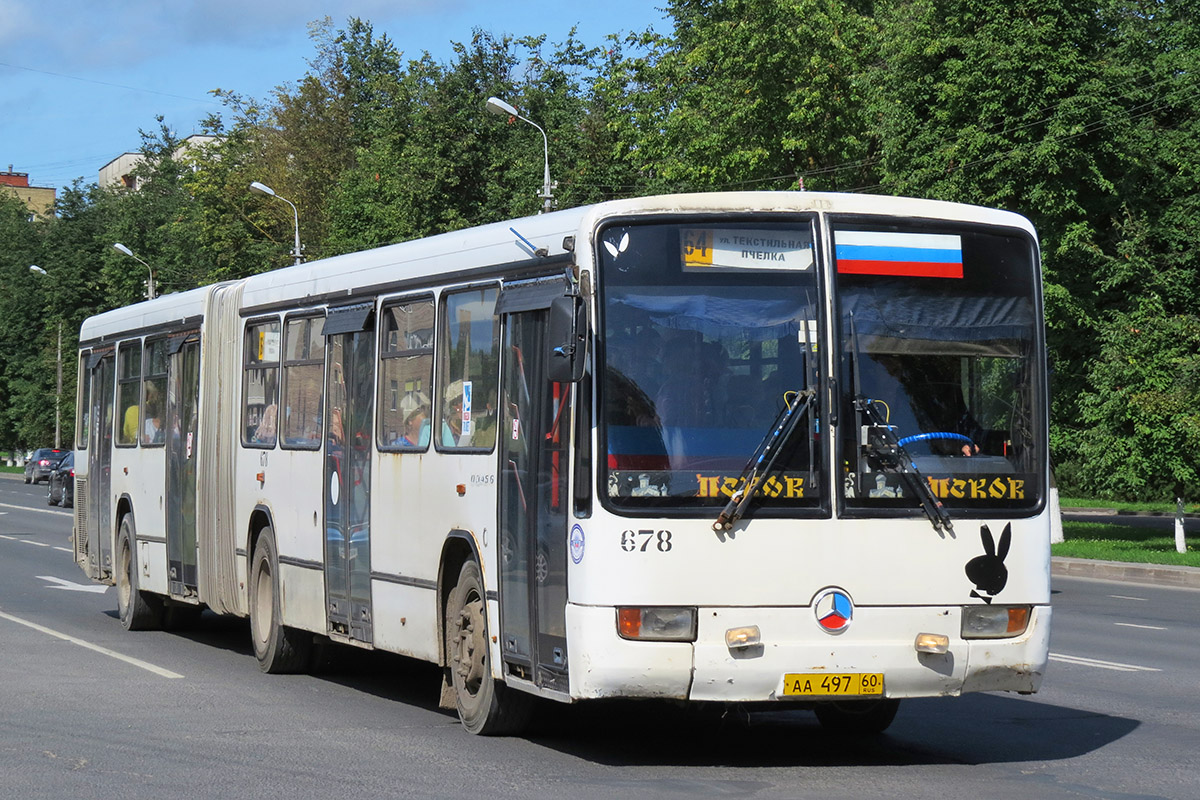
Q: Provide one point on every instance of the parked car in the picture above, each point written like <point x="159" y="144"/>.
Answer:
<point x="60" y="488"/>
<point x="39" y="465"/>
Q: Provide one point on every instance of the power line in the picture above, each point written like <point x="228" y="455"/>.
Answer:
<point x="114" y="85"/>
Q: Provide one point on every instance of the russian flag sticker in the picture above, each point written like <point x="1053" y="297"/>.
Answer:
<point x="910" y="255"/>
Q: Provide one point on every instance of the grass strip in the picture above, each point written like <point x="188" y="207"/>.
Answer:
<point x="1165" y="508"/>
<point x="1106" y="542"/>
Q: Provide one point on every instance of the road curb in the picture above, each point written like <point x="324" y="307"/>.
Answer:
<point x="1113" y="512"/>
<point x="1155" y="574"/>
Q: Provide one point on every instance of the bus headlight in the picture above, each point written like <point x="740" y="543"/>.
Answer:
<point x="657" y="624"/>
<point x="994" y="622"/>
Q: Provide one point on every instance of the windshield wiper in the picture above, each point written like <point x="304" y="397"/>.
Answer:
<point x="885" y="447"/>
<point x="796" y="405"/>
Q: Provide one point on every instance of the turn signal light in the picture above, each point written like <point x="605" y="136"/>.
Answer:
<point x="994" y="622"/>
<point x="932" y="643"/>
<point x="657" y="624"/>
<point x="739" y="638"/>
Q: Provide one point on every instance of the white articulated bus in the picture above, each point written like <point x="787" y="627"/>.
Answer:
<point x="783" y="448"/>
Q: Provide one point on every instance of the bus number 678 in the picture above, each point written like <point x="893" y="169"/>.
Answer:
<point x="641" y="540"/>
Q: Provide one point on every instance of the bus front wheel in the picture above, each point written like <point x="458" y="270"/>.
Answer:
<point x="857" y="717"/>
<point x="485" y="705"/>
<point x="279" y="649"/>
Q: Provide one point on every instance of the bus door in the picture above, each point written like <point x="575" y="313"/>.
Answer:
<point x="183" y="445"/>
<point x="533" y="506"/>
<point x="100" y="466"/>
<point x="349" y="404"/>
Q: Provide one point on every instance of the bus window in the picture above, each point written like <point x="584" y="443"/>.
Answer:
<point x="260" y="387"/>
<point x="469" y="356"/>
<point x="154" y="392"/>
<point x="129" y="375"/>
<point x="303" y="365"/>
<point x="939" y="344"/>
<point x="406" y="376"/>
<point x="708" y="331"/>
<point x="84" y="405"/>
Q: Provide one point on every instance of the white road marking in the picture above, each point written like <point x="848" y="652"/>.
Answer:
<point x="165" y="673"/>
<point x="38" y="510"/>
<point x="71" y="586"/>
<point x="1095" y="662"/>
<point x="64" y="549"/>
<point x="31" y="541"/>
<point x="1127" y="597"/>
<point x="1143" y="627"/>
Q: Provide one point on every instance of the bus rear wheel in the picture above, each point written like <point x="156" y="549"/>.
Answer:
<point x="485" y="706"/>
<point x="279" y="649"/>
<point x="857" y="717"/>
<point x="138" y="611"/>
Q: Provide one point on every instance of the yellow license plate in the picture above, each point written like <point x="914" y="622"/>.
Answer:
<point x="827" y="684"/>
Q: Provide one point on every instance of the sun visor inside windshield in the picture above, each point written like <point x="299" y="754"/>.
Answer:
<point x="915" y="323"/>
<point x="713" y="316"/>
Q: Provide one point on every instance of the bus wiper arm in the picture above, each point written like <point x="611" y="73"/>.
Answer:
<point x="765" y="455"/>
<point x="892" y="456"/>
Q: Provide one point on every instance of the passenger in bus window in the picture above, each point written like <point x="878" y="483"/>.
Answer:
<point x="452" y="418"/>
<point x="265" y="432"/>
<point x="129" y="426"/>
<point x="152" y="432"/>
<point x="416" y="428"/>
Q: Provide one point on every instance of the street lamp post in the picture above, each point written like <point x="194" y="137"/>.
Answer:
<point x="120" y="248"/>
<point x="262" y="188"/>
<point x="497" y="106"/>
<point x="58" y="361"/>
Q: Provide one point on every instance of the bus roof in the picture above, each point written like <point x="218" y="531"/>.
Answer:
<point x="526" y="240"/>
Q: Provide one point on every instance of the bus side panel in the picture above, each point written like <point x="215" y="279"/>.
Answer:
<point x="291" y="489"/>
<point x="415" y="504"/>
<point x="406" y="620"/>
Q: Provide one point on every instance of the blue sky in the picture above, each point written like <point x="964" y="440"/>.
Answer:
<point x="79" y="78"/>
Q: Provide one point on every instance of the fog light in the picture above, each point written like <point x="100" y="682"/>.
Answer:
<point x="657" y="624"/>
<point x="738" y="638"/>
<point x="932" y="643"/>
<point x="994" y="622"/>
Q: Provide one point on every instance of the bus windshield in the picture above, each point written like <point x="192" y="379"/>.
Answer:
<point x="708" y="329"/>
<point x="939" y="352"/>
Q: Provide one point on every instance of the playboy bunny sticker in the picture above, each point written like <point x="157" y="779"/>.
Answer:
<point x="987" y="571"/>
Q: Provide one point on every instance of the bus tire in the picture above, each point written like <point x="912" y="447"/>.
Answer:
<point x="279" y="649"/>
<point x="486" y="706"/>
<point x="138" y="610"/>
<point x="857" y="717"/>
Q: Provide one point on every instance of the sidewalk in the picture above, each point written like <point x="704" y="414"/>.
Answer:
<point x="1154" y="574"/>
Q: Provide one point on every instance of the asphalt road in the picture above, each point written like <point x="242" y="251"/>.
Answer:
<point x="88" y="710"/>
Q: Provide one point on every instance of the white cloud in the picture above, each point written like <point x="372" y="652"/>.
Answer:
<point x="61" y="35"/>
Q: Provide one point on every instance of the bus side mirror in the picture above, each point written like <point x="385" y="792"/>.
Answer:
<point x="567" y="340"/>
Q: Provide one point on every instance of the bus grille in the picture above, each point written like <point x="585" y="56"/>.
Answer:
<point x="81" y="520"/>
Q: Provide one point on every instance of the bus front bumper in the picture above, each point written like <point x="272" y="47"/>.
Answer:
<point x="880" y="641"/>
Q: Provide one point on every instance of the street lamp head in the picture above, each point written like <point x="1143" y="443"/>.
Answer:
<point x="501" y="108"/>
<point x="497" y="106"/>
<point x="120" y="248"/>
<point x="262" y="188"/>
<point x="37" y="269"/>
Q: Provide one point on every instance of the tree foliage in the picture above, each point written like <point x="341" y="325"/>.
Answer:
<point x="1080" y="114"/>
